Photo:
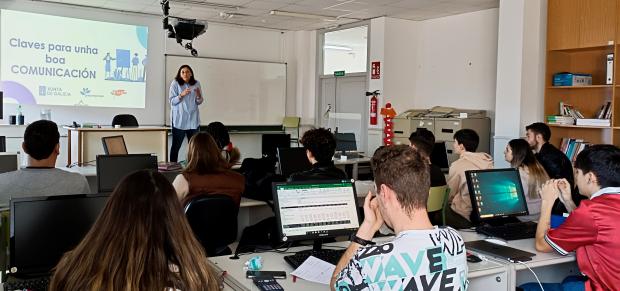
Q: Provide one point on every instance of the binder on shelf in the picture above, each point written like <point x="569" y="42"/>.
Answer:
<point x="610" y="69"/>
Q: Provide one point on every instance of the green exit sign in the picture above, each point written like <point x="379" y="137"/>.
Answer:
<point x="338" y="73"/>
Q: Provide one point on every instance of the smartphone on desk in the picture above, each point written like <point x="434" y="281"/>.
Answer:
<point x="269" y="274"/>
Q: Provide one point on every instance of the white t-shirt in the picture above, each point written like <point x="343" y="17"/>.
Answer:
<point x="431" y="259"/>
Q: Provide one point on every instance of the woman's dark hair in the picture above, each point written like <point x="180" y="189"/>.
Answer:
<point x="219" y="132"/>
<point x="180" y="80"/>
<point x="522" y="157"/>
<point x="603" y="161"/>
<point x="140" y="241"/>
<point x="321" y="143"/>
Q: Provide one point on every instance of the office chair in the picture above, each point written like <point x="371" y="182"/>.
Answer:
<point x="213" y="218"/>
<point x="292" y="122"/>
<point x="438" y="201"/>
<point x="125" y="120"/>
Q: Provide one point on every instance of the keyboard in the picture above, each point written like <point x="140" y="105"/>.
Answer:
<point x="510" y="231"/>
<point x="34" y="284"/>
<point x="330" y="256"/>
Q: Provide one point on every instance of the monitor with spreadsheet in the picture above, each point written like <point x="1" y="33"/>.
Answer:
<point x="496" y="193"/>
<point x="314" y="210"/>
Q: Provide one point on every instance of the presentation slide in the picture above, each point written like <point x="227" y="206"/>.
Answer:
<point x="51" y="60"/>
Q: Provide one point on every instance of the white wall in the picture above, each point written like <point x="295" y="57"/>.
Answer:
<point x="457" y="61"/>
<point x="402" y="44"/>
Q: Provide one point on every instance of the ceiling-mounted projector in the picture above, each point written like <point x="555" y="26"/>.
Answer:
<point x="188" y="28"/>
<point x="182" y="28"/>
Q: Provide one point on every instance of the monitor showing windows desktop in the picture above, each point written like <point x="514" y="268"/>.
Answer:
<point x="496" y="194"/>
<point x="315" y="210"/>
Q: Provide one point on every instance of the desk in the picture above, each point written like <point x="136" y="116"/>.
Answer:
<point x="84" y="144"/>
<point x="90" y="172"/>
<point x="354" y="162"/>
<point x="487" y="275"/>
<point x="490" y="274"/>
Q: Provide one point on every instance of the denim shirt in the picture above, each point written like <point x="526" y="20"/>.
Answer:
<point x="184" y="112"/>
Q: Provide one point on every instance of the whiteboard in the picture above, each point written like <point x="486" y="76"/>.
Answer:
<point x="236" y="92"/>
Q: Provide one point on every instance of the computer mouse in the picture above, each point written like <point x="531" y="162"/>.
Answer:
<point x="497" y="241"/>
<point x="473" y="258"/>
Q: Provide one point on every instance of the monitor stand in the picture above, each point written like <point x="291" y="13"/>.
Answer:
<point x="501" y="221"/>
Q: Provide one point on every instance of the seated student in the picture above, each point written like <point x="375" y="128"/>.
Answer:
<point x="556" y="163"/>
<point x="465" y="144"/>
<point x="219" y="132"/>
<point x="207" y="172"/>
<point x="41" y="177"/>
<point x="426" y="148"/>
<point x="532" y="173"/>
<point x="592" y="229"/>
<point x="402" y="180"/>
<point x="320" y="146"/>
<point x="141" y="241"/>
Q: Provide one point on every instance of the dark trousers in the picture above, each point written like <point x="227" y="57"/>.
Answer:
<point x="177" y="139"/>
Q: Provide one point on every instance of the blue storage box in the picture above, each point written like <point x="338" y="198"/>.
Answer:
<point x="570" y="79"/>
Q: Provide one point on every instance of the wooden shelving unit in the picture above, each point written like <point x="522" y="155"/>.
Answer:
<point x="580" y="34"/>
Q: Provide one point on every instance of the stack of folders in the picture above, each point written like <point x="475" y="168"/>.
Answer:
<point x="593" y="122"/>
<point x="560" y="119"/>
<point x="169" y="166"/>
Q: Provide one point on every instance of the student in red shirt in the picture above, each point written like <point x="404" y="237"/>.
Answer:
<point x="592" y="230"/>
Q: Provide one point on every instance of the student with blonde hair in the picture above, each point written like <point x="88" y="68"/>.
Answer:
<point x="141" y="241"/>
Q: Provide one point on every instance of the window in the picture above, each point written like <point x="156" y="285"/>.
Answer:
<point x="345" y="50"/>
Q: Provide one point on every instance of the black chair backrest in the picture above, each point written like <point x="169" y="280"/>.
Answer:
<point x="213" y="218"/>
<point x="124" y="120"/>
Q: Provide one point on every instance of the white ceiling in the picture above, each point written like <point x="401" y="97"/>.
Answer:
<point x="256" y="12"/>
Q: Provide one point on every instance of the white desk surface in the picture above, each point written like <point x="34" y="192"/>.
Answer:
<point x="272" y="261"/>
<point x="352" y="161"/>
<point x="480" y="274"/>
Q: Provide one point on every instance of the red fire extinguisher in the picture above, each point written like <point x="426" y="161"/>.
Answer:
<point x="373" y="106"/>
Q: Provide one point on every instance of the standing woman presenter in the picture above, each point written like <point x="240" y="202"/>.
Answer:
<point x="185" y="96"/>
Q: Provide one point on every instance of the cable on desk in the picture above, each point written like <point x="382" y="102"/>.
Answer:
<point x="528" y="267"/>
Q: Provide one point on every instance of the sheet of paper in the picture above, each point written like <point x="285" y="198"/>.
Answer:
<point x="315" y="270"/>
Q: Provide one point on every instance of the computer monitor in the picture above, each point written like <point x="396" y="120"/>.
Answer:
<point x="496" y="194"/>
<point x="315" y="210"/>
<point x="1" y="105"/>
<point x="293" y="160"/>
<point x="2" y="143"/>
<point x="9" y="162"/>
<point x="113" y="168"/>
<point x="272" y="141"/>
<point x="114" y="145"/>
<point x="42" y="229"/>
<point x="439" y="156"/>
<point x="345" y="142"/>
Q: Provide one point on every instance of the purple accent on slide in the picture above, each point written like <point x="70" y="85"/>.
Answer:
<point x="18" y="92"/>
